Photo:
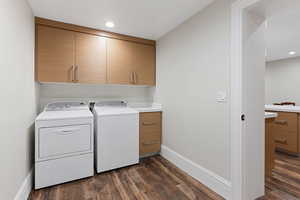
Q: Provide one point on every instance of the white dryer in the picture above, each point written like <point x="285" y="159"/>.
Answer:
<point x="64" y="149"/>
<point x="116" y="135"/>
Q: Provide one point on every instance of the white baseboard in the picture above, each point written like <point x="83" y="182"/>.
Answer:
<point x="25" y="188"/>
<point x="205" y="176"/>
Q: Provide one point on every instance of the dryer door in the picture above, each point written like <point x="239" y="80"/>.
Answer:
<point x="64" y="140"/>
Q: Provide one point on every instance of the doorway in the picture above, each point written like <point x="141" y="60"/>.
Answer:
<point x="248" y="64"/>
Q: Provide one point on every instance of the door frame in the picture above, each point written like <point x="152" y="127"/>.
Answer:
<point x="236" y="125"/>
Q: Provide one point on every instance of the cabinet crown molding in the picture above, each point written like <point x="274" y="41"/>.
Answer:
<point x="82" y="29"/>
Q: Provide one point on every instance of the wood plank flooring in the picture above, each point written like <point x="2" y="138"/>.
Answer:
<point x="153" y="179"/>
<point x="285" y="181"/>
<point x="157" y="179"/>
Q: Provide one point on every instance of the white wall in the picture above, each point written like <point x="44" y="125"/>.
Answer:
<point x="283" y="81"/>
<point x="62" y="92"/>
<point x="18" y="95"/>
<point x="192" y="67"/>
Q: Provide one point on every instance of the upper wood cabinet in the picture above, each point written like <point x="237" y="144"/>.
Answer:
<point x="55" y="54"/>
<point x="130" y="63"/>
<point x="143" y="64"/>
<point x="119" y="54"/>
<point x="67" y="56"/>
<point x="70" y="53"/>
<point x="90" y="59"/>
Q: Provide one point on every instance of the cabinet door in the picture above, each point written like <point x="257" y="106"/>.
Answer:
<point x="144" y="64"/>
<point x="120" y="60"/>
<point x="55" y="54"/>
<point x="286" y="131"/>
<point x="150" y="133"/>
<point x="90" y="58"/>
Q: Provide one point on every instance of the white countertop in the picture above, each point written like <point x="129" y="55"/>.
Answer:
<point x="269" y="115"/>
<point x="283" y="108"/>
<point x="146" y="107"/>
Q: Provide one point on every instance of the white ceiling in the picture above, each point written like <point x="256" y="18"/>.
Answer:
<point x="149" y="19"/>
<point x="283" y="29"/>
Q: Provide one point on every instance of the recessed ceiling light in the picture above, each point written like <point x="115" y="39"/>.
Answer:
<point x="109" y="24"/>
<point x="292" y="52"/>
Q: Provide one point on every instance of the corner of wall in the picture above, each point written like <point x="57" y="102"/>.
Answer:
<point x="26" y="187"/>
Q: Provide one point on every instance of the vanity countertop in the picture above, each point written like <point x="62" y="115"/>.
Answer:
<point x="269" y="115"/>
<point x="283" y="108"/>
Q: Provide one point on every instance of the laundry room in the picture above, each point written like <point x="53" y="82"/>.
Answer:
<point x="142" y="100"/>
<point x="96" y="105"/>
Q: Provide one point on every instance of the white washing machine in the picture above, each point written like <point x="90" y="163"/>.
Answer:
<point x="116" y="135"/>
<point x="64" y="139"/>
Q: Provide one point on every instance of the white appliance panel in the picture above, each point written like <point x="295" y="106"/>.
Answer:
<point x="117" y="141"/>
<point x="58" y="171"/>
<point x="57" y="141"/>
<point x="64" y="144"/>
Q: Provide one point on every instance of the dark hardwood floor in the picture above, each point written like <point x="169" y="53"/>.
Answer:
<point x="157" y="179"/>
<point x="153" y="179"/>
<point x="285" y="181"/>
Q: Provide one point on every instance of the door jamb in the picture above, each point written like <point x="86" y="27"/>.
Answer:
<point x="236" y="124"/>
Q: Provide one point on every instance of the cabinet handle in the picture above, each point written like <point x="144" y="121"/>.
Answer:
<point x="151" y="143"/>
<point x="67" y="132"/>
<point x="130" y="78"/>
<point x="73" y="73"/>
<point x="134" y="77"/>
<point x="281" y="122"/>
<point x="148" y="124"/>
<point x="76" y="74"/>
<point x="281" y="141"/>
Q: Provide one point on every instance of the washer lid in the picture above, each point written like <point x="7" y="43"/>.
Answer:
<point x="114" y="103"/>
<point x="66" y="106"/>
<point x="60" y="115"/>
<point x="114" y="110"/>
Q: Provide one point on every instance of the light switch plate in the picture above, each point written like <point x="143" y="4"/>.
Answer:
<point x="221" y="97"/>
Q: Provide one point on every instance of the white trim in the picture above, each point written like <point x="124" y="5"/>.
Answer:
<point x="236" y="104"/>
<point x="25" y="188"/>
<point x="205" y="176"/>
<point x="236" y="125"/>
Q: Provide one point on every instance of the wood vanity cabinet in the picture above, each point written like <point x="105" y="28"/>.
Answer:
<point x="150" y="133"/>
<point x="70" y="53"/>
<point x="286" y="132"/>
<point x="130" y="63"/>
<point x="67" y="56"/>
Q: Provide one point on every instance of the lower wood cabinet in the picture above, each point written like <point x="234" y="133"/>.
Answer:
<point x="269" y="147"/>
<point x="286" y="132"/>
<point x="150" y="133"/>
